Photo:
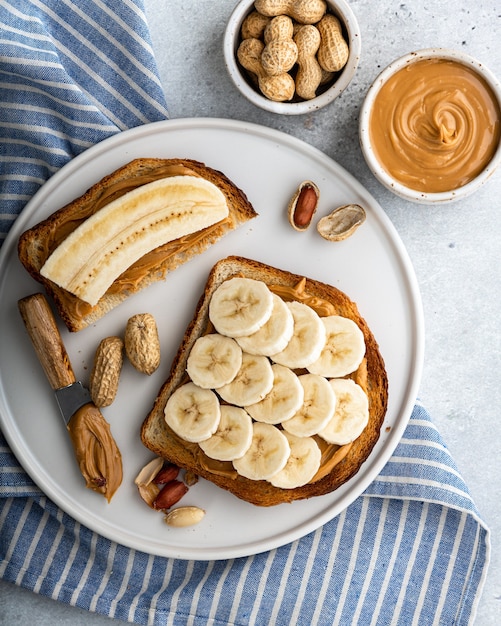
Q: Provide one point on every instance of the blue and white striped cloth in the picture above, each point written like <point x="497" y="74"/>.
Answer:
<point x="411" y="550"/>
<point x="71" y="75"/>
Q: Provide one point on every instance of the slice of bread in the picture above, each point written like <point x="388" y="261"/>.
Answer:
<point x="36" y="244"/>
<point x="371" y="375"/>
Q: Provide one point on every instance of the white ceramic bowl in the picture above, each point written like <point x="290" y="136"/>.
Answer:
<point x="342" y="10"/>
<point x="365" y="137"/>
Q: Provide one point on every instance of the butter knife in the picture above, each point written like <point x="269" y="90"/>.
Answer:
<point x="96" y="451"/>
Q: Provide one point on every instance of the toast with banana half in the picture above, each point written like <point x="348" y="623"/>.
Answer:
<point x="128" y="231"/>
<point x="278" y="390"/>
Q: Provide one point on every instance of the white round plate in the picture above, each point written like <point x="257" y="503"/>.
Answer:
<point x="372" y="267"/>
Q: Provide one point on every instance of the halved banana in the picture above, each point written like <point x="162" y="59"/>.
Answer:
<point x="344" y="348"/>
<point x="193" y="413"/>
<point x="351" y="415"/>
<point x="284" y="399"/>
<point x="308" y="338"/>
<point x="274" y="335"/>
<point x="252" y="382"/>
<point x="267" y="455"/>
<point x="233" y="436"/>
<point x="303" y="463"/>
<point x="240" y="306"/>
<point x="102" y="247"/>
<point x="317" y="409"/>
<point x="214" y="361"/>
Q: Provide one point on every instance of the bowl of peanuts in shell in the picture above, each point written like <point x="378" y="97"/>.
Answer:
<point x="292" y="57"/>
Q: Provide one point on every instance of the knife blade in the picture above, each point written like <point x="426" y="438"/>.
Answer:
<point x="96" y="451"/>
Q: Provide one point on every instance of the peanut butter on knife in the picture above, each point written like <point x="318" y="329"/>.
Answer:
<point x="96" y="451"/>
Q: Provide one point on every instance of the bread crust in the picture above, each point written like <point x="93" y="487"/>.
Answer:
<point x="160" y="439"/>
<point x="36" y="244"/>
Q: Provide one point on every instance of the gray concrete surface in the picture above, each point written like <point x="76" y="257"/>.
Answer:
<point x="455" y="249"/>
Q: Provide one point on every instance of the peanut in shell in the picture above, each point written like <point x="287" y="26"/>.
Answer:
<point x="142" y="344"/>
<point x="105" y="375"/>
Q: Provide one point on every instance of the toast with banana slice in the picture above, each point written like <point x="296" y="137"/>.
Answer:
<point x="278" y="390"/>
<point x="127" y="231"/>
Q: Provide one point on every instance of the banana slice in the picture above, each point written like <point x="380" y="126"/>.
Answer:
<point x="193" y="413"/>
<point x="308" y="338"/>
<point x="344" y="348"/>
<point x="88" y="261"/>
<point x="317" y="409"/>
<point x="351" y="415"/>
<point x="303" y="463"/>
<point x="214" y="361"/>
<point x="240" y="306"/>
<point x="253" y="381"/>
<point x="233" y="436"/>
<point x="267" y="454"/>
<point x="274" y="335"/>
<point x="284" y="399"/>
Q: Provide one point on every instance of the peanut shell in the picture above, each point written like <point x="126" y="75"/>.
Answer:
<point x="149" y="472"/>
<point x="341" y="223"/>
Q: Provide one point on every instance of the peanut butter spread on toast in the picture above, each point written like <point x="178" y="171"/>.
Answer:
<point x="149" y="263"/>
<point x="331" y="454"/>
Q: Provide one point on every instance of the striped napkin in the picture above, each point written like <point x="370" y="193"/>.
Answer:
<point x="71" y="75"/>
<point x="411" y="550"/>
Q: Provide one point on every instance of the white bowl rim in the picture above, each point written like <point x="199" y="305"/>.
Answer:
<point x="343" y="10"/>
<point x="390" y="183"/>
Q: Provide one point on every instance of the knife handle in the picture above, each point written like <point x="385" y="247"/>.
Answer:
<point x="44" y="334"/>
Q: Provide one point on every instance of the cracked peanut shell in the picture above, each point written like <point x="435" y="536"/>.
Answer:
<point x="341" y="223"/>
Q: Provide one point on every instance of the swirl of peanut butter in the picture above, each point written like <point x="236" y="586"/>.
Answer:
<point x="97" y="453"/>
<point x="435" y="125"/>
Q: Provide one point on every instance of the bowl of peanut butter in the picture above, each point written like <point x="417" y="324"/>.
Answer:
<point x="430" y="126"/>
